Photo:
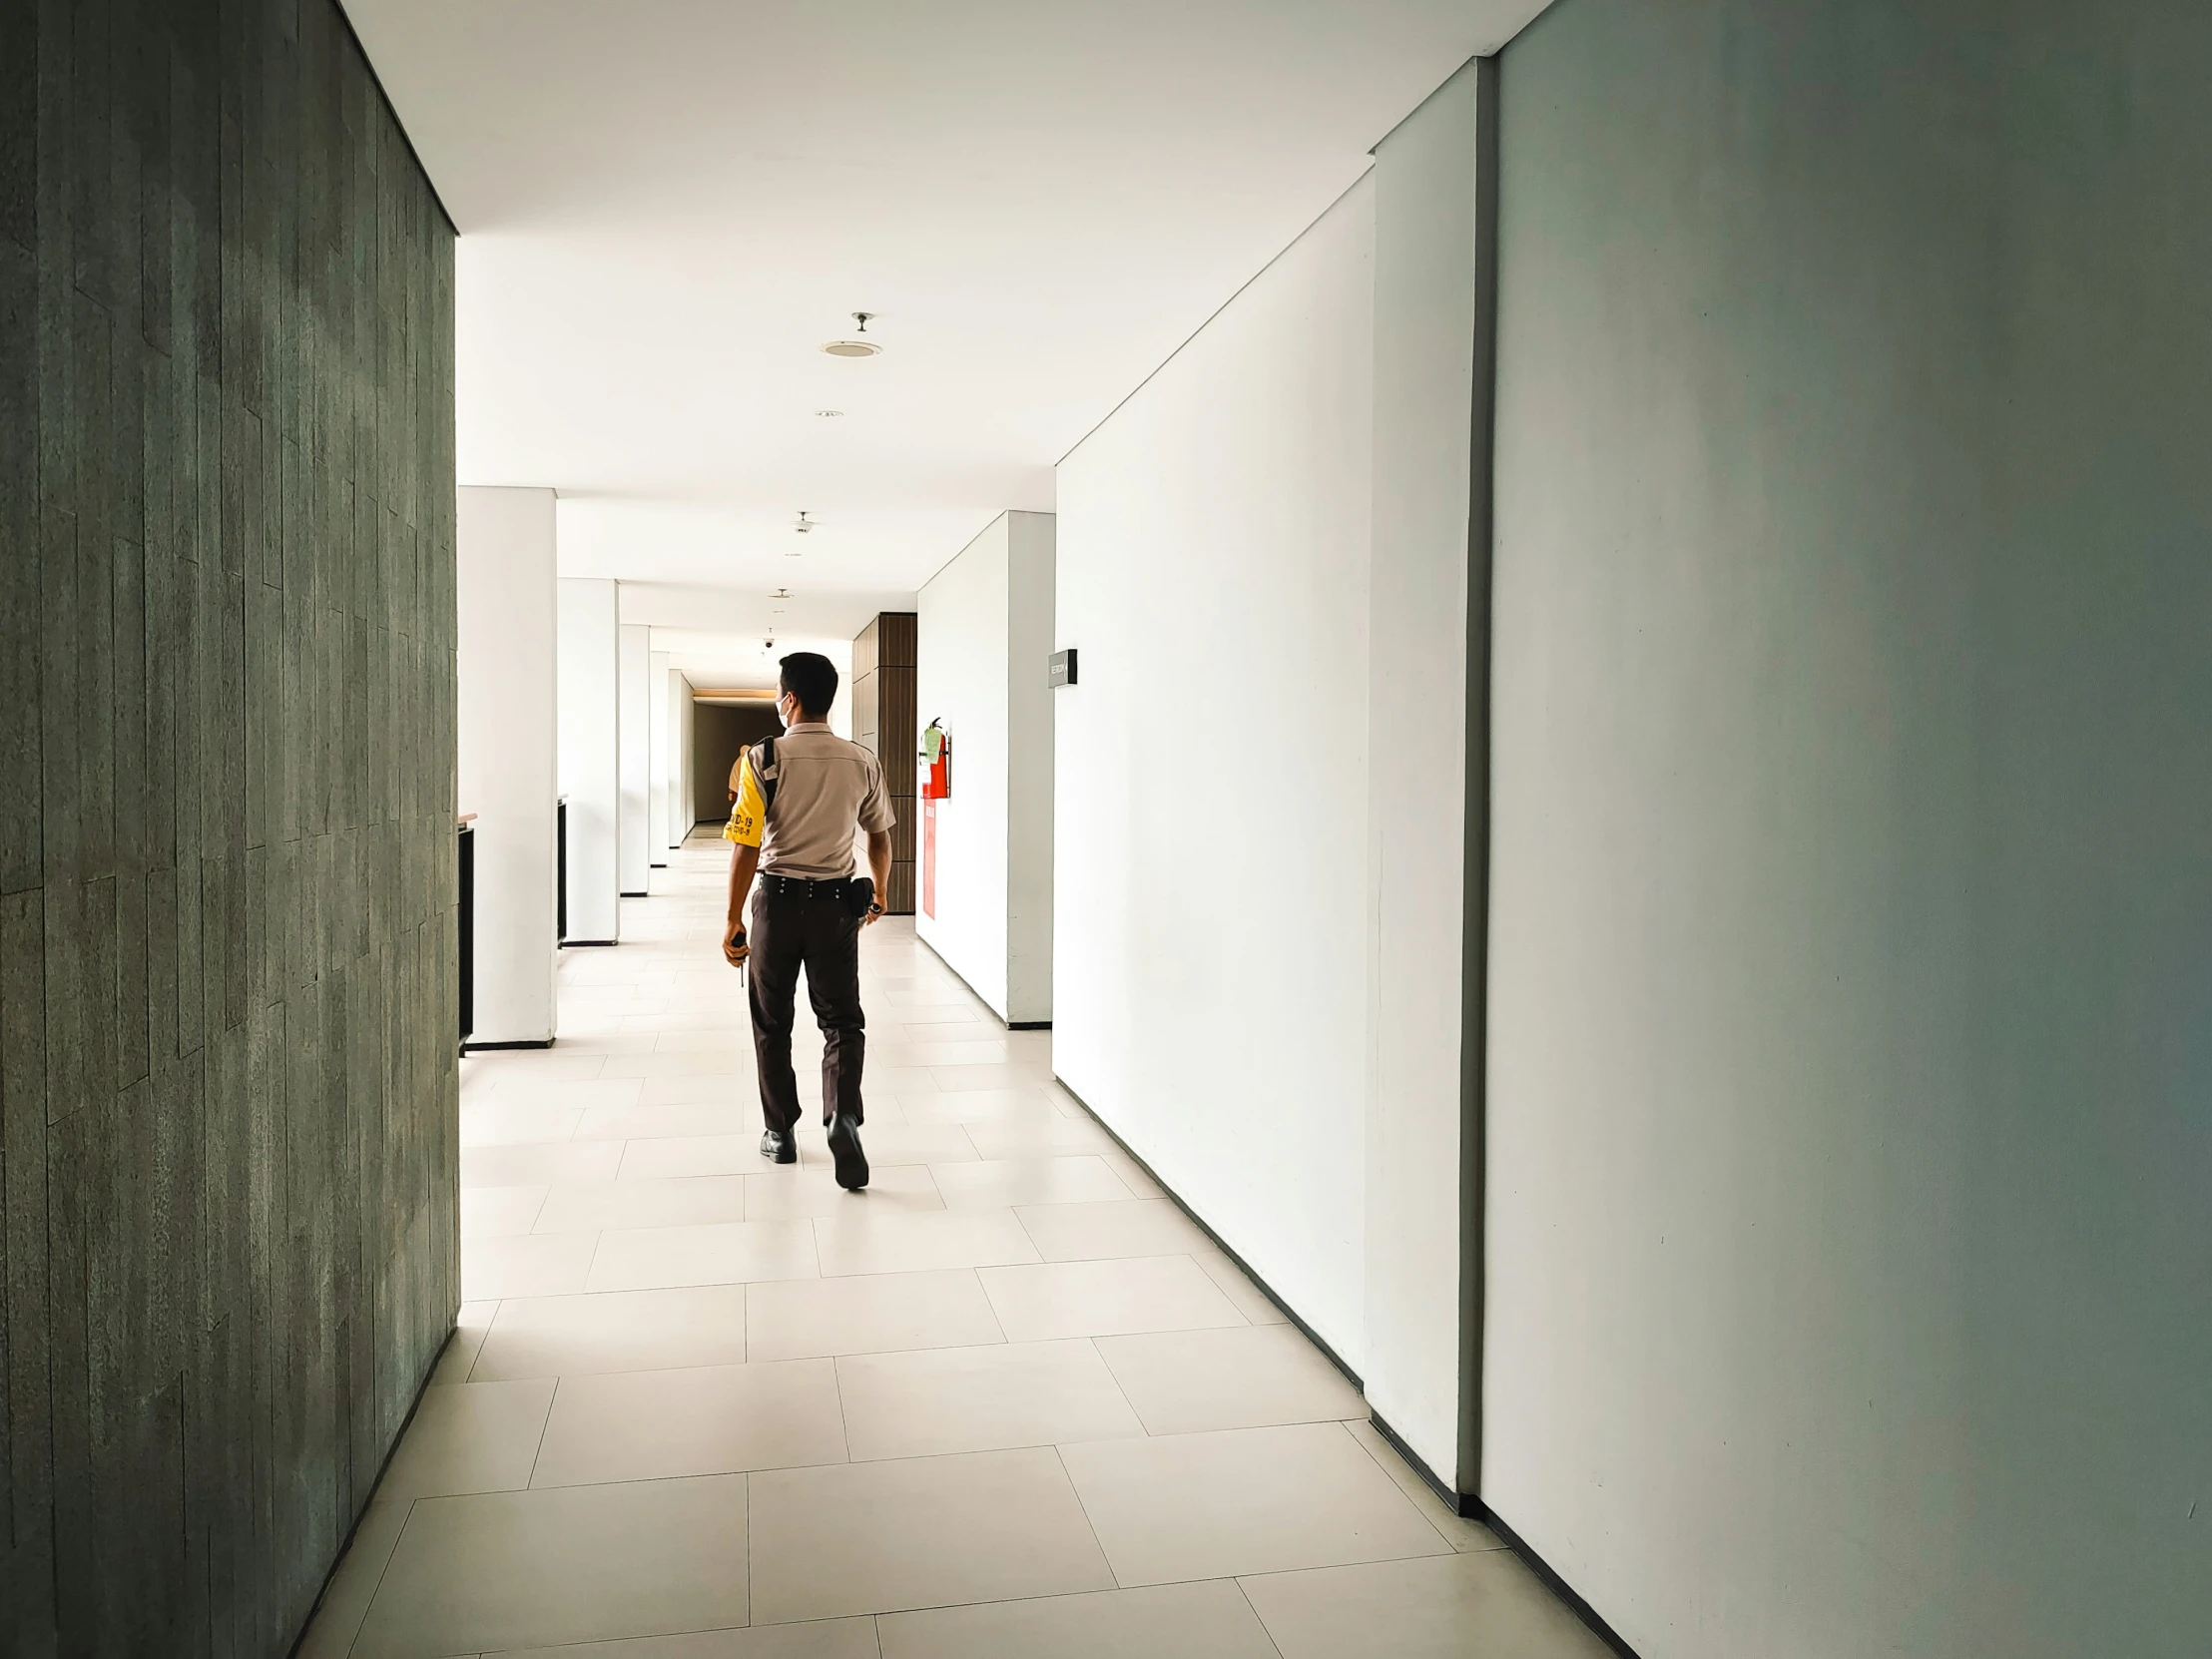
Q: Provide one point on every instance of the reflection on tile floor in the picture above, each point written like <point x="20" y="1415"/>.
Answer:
<point x="1007" y="1405"/>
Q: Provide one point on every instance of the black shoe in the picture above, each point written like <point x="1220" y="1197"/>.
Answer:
<point x="777" y="1147"/>
<point x="845" y="1145"/>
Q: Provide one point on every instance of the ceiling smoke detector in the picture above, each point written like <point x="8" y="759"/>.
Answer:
<point x="854" y="347"/>
<point x="803" y="525"/>
<point x="780" y="593"/>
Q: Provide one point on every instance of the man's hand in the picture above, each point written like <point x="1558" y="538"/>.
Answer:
<point x="735" y="951"/>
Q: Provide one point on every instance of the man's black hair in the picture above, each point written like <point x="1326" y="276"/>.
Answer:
<point x="813" y="679"/>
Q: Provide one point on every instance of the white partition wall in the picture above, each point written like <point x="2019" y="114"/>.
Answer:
<point x="1210" y="835"/>
<point x="985" y="631"/>
<point x="656" y="723"/>
<point x="675" y="694"/>
<point x="589" y="757"/>
<point x="1415" y="802"/>
<point x="509" y="753"/>
<point x="635" y="836"/>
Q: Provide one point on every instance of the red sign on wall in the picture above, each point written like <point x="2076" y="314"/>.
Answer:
<point x="929" y="857"/>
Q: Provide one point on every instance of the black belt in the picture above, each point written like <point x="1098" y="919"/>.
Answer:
<point x="800" y="887"/>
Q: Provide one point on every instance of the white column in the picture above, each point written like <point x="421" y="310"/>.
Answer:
<point x="508" y="771"/>
<point x="677" y="821"/>
<point x="1425" y="319"/>
<point x="636" y="743"/>
<point x="1029" y="743"/>
<point x="656" y="723"/>
<point x="589" y="749"/>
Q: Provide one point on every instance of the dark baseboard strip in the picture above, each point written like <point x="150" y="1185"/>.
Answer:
<point x="1199" y="1221"/>
<point x="1459" y="1502"/>
<point x="1026" y="1024"/>
<point x="572" y="944"/>
<point x="383" y="1468"/>
<point x="1553" y="1581"/>
<point x="655" y="866"/>
<point x="472" y="1048"/>
<point x="640" y="893"/>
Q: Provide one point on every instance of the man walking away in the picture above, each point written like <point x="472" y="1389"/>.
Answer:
<point x="799" y="799"/>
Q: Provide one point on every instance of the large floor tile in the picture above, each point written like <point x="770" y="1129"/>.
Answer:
<point x="662" y="1157"/>
<point x="1446" y="1609"/>
<point x="1013" y="1074"/>
<point x="977" y="1106"/>
<point x="921" y="1532"/>
<point x="1001" y="1182"/>
<point x="1105" y="1299"/>
<point x="498" y="1124"/>
<point x="946" y="1400"/>
<point x="570" y="1564"/>
<point x="1038" y="1136"/>
<point x="706" y="1420"/>
<point x="345" y="1599"/>
<point x="712" y="1252"/>
<point x="661" y="1123"/>
<point x="864" y="1239"/>
<point x="567" y="1094"/>
<point x="469" y="1438"/>
<point x="573" y="1336"/>
<point x="1251" y="1302"/>
<point x="1244" y="1502"/>
<point x="733" y="1086"/>
<point x="1169" y="1621"/>
<point x="678" y="1201"/>
<point x="795" y="1191"/>
<point x="546" y="1164"/>
<point x="1187" y="1381"/>
<point x="869" y="1314"/>
<point x="1461" y="1531"/>
<point x="470" y="1326"/>
<point x="548" y="1264"/>
<point x="499" y="1212"/>
<point x="1103" y="1232"/>
<point x="821" y="1639"/>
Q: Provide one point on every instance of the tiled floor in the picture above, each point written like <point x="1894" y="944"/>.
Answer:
<point x="1008" y="1404"/>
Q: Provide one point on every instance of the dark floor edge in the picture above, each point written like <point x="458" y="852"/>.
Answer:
<point x="1459" y="1502"/>
<point x="1199" y="1221"/>
<point x="640" y="893"/>
<point x="572" y="944"/>
<point x="421" y="1388"/>
<point x="474" y="1047"/>
<point x="1553" y="1581"/>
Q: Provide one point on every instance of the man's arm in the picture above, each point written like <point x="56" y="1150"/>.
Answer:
<point x="879" y="866"/>
<point x="743" y="861"/>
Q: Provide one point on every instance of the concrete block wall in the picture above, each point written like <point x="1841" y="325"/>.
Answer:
<point x="227" y="1232"/>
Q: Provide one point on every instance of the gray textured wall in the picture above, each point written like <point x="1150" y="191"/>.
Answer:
<point x="226" y="930"/>
<point x="1851" y="1112"/>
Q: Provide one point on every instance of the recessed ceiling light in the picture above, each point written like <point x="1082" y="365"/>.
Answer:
<point x="854" y="347"/>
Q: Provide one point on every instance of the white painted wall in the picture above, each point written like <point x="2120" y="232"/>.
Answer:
<point x="508" y="751"/>
<point x="660" y="759"/>
<point x="1414" y="804"/>
<point x="1850" y="1252"/>
<point x="675" y="692"/>
<point x="589" y="755"/>
<point x="985" y="626"/>
<point x="635" y="704"/>
<point x="1031" y="559"/>
<point x="1209" y="964"/>
<point x="961" y="678"/>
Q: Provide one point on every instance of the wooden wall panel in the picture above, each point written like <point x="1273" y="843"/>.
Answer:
<point x="229" y="1245"/>
<point x="884" y="723"/>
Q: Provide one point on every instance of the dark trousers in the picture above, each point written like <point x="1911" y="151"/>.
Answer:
<point x="788" y="931"/>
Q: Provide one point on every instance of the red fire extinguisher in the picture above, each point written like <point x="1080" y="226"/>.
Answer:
<point x="936" y="751"/>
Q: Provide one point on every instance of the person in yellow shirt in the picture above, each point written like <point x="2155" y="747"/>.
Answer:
<point x="802" y="797"/>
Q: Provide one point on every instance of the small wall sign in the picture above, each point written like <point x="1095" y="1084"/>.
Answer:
<point x="1062" y="668"/>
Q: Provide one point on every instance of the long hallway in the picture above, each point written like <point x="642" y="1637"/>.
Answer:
<point x="1008" y="1402"/>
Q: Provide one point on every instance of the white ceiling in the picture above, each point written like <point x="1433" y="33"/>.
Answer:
<point x="667" y="206"/>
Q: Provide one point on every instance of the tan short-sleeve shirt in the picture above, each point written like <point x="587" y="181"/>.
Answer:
<point x="826" y="789"/>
